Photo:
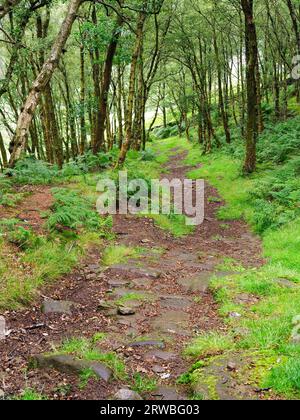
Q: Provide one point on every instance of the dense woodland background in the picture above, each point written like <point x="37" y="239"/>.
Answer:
<point x="85" y="77"/>
<point x="197" y="89"/>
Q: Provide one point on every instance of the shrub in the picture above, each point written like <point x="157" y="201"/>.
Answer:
<point x="33" y="172"/>
<point x="277" y="197"/>
<point x="72" y="211"/>
<point x="24" y="239"/>
<point x="278" y="143"/>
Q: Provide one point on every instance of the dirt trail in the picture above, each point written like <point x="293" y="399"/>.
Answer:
<point x="172" y="279"/>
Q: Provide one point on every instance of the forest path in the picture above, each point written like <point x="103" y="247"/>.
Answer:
<point x="149" y="308"/>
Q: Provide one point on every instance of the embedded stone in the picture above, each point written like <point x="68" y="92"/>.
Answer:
<point x="65" y="363"/>
<point x="136" y="271"/>
<point x="175" y="302"/>
<point x="167" y="394"/>
<point x="101" y="371"/>
<point x="285" y="283"/>
<point x="127" y="395"/>
<point x="118" y="283"/>
<point x="173" y="322"/>
<point x="150" y="343"/>
<point x="161" y="355"/>
<point x="61" y="362"/>
<point x="51" y="306"/>
<point x="126" y="311"/>
<point x="2" y="328"/>
<point x="141" y="283"/>
<point x="197" y="284"/>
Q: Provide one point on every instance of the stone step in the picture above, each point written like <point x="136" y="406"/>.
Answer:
<point x="67" y="364"/>
<point x="135" y="271"/>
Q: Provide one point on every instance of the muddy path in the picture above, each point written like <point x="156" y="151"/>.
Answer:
<point x="165" y="291"/>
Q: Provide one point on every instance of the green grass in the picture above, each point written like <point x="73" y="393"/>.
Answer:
<point x="209" y="344"/>
<point x="22" y="276"/>
<point x="175" y="224"/>
<point x="285" y="379"/>
<point x="130" y="297"/>
<point x="30" y="394"/>
<point x="85" y="376"/>
<point x="230" y="264"/>
<point x="118" y="254"/>
<point x="71" y="227"/>
<point x="269" y="201"/>
<point x="142" y="384"/>
<point x="85" y="349"/>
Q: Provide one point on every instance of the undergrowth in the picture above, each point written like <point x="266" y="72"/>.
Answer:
<point x="269" y="201"/>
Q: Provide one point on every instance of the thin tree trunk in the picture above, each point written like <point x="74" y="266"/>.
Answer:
<point x="133" y="71"/>
<point x="111" y="51"/>
<point x="119" y="108"/>
<point x="83" y="138"/>
<point x="220" y="89"/>
<point x="43" y="79"/>
<point x="3" y="151"/>
<point x="252" y="100"/>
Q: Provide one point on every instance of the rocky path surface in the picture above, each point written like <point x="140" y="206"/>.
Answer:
<point x="149" y="308"/>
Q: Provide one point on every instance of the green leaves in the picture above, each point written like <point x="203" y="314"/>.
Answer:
<point x="71" y="211"/>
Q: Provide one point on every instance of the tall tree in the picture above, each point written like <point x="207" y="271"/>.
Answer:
<point x="18" y="144"/>
<point x="252" y="96"/>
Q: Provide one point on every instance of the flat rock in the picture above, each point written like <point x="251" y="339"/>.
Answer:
<point x="50" y="306"/>
<point x="141" y="283"/>
<point x="62" y="362"/>
<point x="149" y="343"/>
<point x="158" y="369"/>
<point x="217" y="382"/>
<point x="182" y="256"/>
<point x="136" y="271"/>
<point x="131" y="322"/>
<point x="121" y="292"/>
<point x="174" y="322"/>
<point x="197" y="284"/>
<point x="91" y="276"/>
<point x="160" y="355"/>
<point x="127" y="395"/>
<point x="67" y="364"/>
<point x="175" y="302"/>
<point x="285" y="283"/>
<point x="131" y="333"/>
<point x="167" y="394"/>
<point x="118" y="283"/>
<point x="2" y="328"/>
<point x="104" y="306"/>
<point x="126" y="311"/>
<point x="94" y="267"/>
<point x="101" y="371"/>
<point x="246" y="299"/>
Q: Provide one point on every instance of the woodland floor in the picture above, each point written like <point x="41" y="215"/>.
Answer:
<point x="171" y="277"/>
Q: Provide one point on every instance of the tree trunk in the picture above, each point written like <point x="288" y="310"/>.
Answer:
<point x="43" y="79"/>
<point x="111" y="51"/>
<point x="220" y="89"/>
<point x="133" y="71"/>
<point x="83" y="138"/>
<point x="252" y="100"/>
<point x="119" y="108"/>
<point x="95" y="59"/>
<point x="3" y="151"/>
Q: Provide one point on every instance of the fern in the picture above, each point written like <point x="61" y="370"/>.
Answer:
<point x="74" y="212"/>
